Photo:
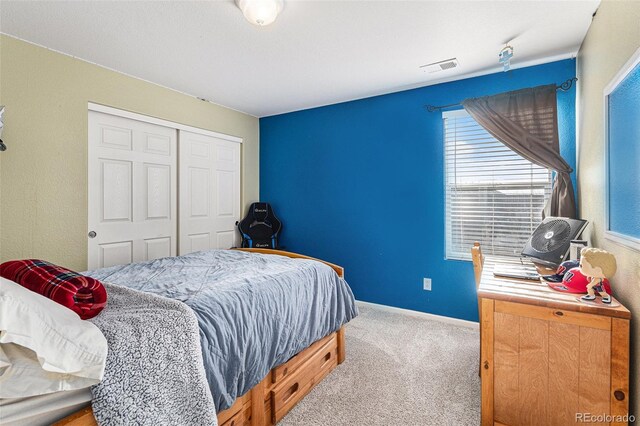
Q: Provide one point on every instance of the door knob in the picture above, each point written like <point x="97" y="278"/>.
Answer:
<point x="92" y="234"/>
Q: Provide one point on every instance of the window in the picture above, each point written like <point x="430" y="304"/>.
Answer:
<point x="493" y="195"/>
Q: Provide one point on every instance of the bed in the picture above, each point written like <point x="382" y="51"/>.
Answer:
<point x="310" y="336"/>
<point x="43" y="409"/>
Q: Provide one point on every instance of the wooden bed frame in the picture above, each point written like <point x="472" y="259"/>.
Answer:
<point x="271" y="399"/>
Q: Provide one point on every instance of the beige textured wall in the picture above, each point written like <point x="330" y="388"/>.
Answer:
<point x="613" y="37"/>
<point x="43" y="177"/>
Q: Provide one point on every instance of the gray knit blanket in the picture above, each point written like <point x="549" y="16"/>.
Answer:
<point x="154" y="373"/>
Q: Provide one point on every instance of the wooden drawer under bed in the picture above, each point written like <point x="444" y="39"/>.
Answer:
<point x="286" y="384"/>
<point x="241" y="418"/>
<point x="297" y="383"/>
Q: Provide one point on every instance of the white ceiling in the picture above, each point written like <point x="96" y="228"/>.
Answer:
<point x="316" y="53"/>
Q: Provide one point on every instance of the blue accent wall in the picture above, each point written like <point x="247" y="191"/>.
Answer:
<point x="361" y="184"/>
<point x="624" y="156"/>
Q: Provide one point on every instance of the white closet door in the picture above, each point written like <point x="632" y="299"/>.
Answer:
<point x="209" y="192"/>
<point x="132" y="191"/>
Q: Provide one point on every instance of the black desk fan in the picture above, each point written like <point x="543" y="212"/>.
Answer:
<point x="549" y="244"/>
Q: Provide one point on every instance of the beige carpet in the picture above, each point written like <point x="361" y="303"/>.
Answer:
<point x="399" y="370"/>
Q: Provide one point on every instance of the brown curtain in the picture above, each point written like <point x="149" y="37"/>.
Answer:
<point x="527" y="122"/>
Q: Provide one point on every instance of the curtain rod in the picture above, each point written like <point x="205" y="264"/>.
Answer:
<point x="565" y="86"/>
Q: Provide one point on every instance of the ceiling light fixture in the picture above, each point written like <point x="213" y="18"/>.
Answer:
<point x="260" y="12"/>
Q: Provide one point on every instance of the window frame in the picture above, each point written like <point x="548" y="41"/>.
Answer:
<point x="465" y="255"/>
<point x="618" y="237"/>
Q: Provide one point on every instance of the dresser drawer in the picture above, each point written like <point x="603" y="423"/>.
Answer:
<point x="292" y="388"/>
<point x="552" y="314"/>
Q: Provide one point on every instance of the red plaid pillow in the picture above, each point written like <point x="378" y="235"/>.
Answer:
<point x="84" y="295"/>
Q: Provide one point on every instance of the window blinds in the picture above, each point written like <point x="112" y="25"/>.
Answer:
<point x="493" y="195"/>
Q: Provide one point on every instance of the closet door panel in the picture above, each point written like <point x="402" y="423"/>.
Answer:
<point x="132" y="191"/>
<point x="116" y="185"/>
<point x="199" y="191"/>
<point x="116" y="253"/>
<point x="227" y="206"/>
<point x="158" y="186"/>
<point x="225" y="238"/>
<point x="209" y="202"/>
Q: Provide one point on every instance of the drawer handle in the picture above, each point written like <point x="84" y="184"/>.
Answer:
<point x="327" y="357"/>
<point x="486" y="365"/>
<point x="619" y="395"/>
<point x="292" y="391"/>
<point x="558" y="313"/>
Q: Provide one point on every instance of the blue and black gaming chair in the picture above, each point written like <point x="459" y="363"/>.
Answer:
<point x="260" y="227"/>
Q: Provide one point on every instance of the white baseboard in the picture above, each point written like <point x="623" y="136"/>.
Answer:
<point x="454" y="321"/>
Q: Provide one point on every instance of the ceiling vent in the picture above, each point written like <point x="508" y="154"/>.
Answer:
<point x="447" y="64"/>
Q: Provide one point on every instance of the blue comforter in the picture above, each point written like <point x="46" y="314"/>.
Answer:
<point x="255" y="311"/>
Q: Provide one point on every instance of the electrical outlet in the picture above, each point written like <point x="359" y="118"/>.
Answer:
<point x="426" y="284"/>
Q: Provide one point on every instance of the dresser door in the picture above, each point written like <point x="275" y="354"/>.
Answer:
<point x="550" y="366"/>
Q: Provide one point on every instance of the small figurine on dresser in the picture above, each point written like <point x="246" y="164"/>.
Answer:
<point x="597" y="265"/>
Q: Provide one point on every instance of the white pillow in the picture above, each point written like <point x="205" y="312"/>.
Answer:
<point x="44" y="346"/>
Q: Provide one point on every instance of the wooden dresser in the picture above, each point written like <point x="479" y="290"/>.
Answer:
<point x="546" y="357"/>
